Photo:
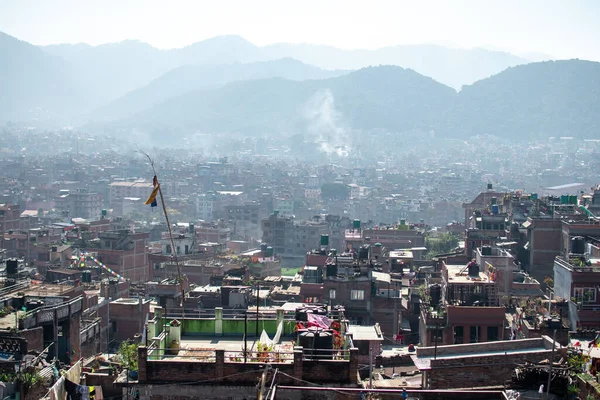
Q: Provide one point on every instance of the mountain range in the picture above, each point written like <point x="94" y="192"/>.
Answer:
<point x="552" y="98"/>
<point x="227" y="84"/>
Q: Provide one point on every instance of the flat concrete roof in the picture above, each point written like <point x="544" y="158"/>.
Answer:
<point x="370" y="333"/>
<point x="424" y="362"/>
<point x="459" y="274"/>
<point x="47" y="289"/>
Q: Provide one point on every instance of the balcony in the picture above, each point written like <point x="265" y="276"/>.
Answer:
<point x="433" y="318"/>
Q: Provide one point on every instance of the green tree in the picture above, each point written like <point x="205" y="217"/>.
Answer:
<point x="334" y="191"/>
<point x="441" y="244"/>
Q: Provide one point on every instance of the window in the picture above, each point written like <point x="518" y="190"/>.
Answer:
<point x="459" y="332"/>
<point x="492" y="333"/>
<point x="332" y="294"/>
<point x="357" y="295"/>
<point x="437" y="336"/>
<point x="585" y="295"/>
<point x="474" y="334"/>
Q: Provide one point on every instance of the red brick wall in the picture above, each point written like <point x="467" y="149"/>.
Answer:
<point x="480" y="371"/>
<point x="128" y="319"/>
<point x="75" y="336"/>
<point x="34" y="337"/>
<point x="240" y="373"/>
<point x="544" y="241"/>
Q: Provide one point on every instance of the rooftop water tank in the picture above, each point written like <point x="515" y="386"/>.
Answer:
<point x="573" y="199"/>
<point x="435" y="292"/>
<point x="577" y="245"/>
<point x="324" y="240"/>
<point x="356" y="224"/>
<point x="473" y="270"/>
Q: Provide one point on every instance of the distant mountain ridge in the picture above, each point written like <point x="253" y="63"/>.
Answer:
<point x="451" y="66"/>
<point x="131" y="85"/>
<point x="553" y="98"/>
<point x="190" y="77"/>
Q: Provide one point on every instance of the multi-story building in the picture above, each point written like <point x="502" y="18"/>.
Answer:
<point x="10" y="215"/>
<point x="207" y="206"/>
<point x="136" y="189"/>
<point x="80" y="203"/>
<point x="577" y="281"/>
<point x="245" y="219"/>
<point x="285" y="205"/>
<point x="470" y="311"/>
<point x="122" y="251"/>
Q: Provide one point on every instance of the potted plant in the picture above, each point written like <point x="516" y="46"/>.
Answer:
<point x="129" y="356"/>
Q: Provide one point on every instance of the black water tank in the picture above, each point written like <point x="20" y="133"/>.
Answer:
<point x="12" y="266"/>
<point x="363" y="252"/>
<point x="435" y="292"/>
<point x="332" y="270"/>
<point x="577" y="245"/>
<point x="34" y="304"/>
<point x="316" y="342"/>
<point x="473" y="270"/>
<point x="86" y="276"/>
<point x="263" y="247"/>
<point x="486" y="250"/>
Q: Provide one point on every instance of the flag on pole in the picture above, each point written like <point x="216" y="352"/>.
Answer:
<point x="152" y="199"/>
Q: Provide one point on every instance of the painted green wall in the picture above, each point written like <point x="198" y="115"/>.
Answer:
<point x="235" y="327"/>
<point x="199" y="326"/>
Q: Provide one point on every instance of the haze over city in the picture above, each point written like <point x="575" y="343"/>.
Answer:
<point x="558" y="28"/>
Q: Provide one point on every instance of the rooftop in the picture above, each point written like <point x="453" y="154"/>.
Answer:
<point x="406" y="254"/>
<point x="425" y="355"/>
<point x="459" y="274"/>
<point x="360" y="332"/>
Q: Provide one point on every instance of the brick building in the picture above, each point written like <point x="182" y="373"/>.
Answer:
<point x="478" y="364"/>
<point x="127" y="317"/>
<point x="122" y="251"/>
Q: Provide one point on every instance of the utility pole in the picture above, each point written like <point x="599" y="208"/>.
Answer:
<point x="551" y="362"/>
<point x="261" y="393"/>
<point x="370" y="368"/>
<point x="437" y="324"/>
<point x="257" y="304"/>
<point x="245" y="336"/>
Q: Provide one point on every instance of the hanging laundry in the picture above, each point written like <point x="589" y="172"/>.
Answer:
<point x="76" y="392"/>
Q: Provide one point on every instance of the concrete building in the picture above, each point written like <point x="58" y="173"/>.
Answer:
<point x="80" y="203"/>
<point x="576" y="280"/>
<point x="245" y="219"/>
<point x="137" y="189"/>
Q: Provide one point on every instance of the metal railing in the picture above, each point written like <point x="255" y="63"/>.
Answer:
<point x="588" y="307"/>
<point x="264" y="357"/>
<point x="227" y="314"/>
<point x="325" y="354"/>
<point x="46" y="314"/>
<point x="202" y="355"/>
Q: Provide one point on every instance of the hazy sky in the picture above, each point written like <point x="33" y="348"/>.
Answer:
<point x="565" y="29"/>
